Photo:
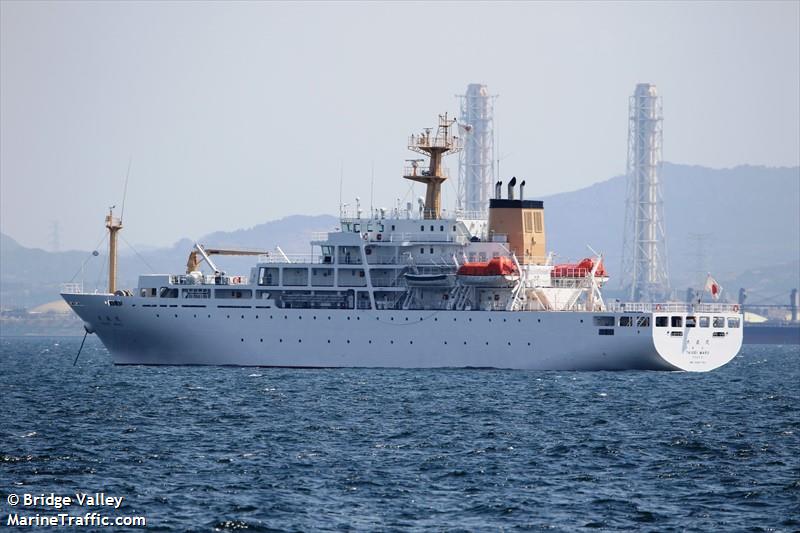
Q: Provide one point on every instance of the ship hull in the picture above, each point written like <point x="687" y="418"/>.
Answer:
<point x="210" y="334"/>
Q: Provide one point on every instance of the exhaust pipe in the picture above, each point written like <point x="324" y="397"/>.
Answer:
<point x="497" y="187"/>
<point x="522" y="190"/>
<point x="511" y="187"/>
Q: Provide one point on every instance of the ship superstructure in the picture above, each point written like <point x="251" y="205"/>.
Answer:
<point x="413" y="287"/>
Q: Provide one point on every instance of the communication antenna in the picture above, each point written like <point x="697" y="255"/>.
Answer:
<point x="125" y="189"/>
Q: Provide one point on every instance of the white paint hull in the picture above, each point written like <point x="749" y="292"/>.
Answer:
<point x="175" y="334"/>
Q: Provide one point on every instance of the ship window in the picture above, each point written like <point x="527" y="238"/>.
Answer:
<point x="691" y="322"/>
<point x="676" y="321"/>
<point x="441" y="228"/>
<point x="733" y="323"/>
<point x="167" y="292"/>
<point x="431" y="249"/>
<point x="422" y="228"/>
<point x="626" y="321"/>
<point x="392" y="227"/>
<point x="606" y="331"/>
<point x="356" y="228"/>
<point x="719" y="322"/>
<point x="454" y="229"/>
<point x="422" y="250"/>
<point x="661" y="321"/>
<point x="380" y="228"/>
<point x="644" y="322"/>
<point x="431" y="227"/>
<point x="704" y="322"/>
<point x="267" y="276"/>
<point x="603" y="320"/>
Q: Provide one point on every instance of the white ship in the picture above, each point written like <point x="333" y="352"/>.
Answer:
<point x="411" y="287"/>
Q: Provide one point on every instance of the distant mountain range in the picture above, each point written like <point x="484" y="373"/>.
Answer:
<point x="742" y="224"/>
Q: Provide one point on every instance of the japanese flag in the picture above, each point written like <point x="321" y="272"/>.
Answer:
<point x="713" y="287"/>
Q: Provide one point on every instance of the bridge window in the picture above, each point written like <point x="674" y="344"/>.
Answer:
<point x="719" y="322"/>
<point x="691" y="321"/>
<point x="704" y="321"/>
<point x="661" y="321"/>
<point x="676" y="322"/>
<point x="626" y="321"/>
<point x="422" y="228"/>
<point x="733" y="323"/>
<point x="603" y="320"/>
<point x="167" y="292"/>
<point x="644" y="322"/>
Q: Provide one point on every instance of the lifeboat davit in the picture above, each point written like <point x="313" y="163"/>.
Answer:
<point x="578" y="270"/>
<point x="497" y="272"/>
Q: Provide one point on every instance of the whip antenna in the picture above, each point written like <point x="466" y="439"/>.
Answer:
<point x="125" y="189"/>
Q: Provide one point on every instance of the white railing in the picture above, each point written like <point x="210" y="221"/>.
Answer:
<point x="72" y="288"/>
<point x="424" y="237"/>
<point x="292" y="258"/>
<point x="672" y="307"/>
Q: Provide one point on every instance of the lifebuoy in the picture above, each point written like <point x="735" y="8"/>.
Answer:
<point x="735" y="308"/>
<point x="658" y="307"/>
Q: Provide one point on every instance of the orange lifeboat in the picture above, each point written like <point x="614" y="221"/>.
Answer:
<point x="578" y="270"/>
<point x="497" y="272"/>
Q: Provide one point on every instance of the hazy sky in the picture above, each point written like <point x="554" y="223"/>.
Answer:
<point x="235" y="114"/>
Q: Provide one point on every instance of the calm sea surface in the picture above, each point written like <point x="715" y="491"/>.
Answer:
<point x="298" y="450"/>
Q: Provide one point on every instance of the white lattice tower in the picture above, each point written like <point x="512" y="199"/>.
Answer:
<point x="476" y="163"/>
<point x="644" y="253"/>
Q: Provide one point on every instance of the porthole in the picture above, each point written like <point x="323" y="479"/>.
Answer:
<point x="242" y="340"/>
<point x="315" y="317"/>
<point x="369" y="341"/>
<point x="348" y="341"/>
<point x="176" y="315"/>
<point x="487" y="343"/>
<point x="348" y="318"/>
<point x="358" y="318"/>
<point x="329" y="317"/>
<point x="504" y="320"/>
<point x="435" y="319"/>
<point x="329" y="341"/>
<point x="490" y="320"/>
<point x="445" y="342"/>
<point x="410" y="342"/>
<point x="391" y="342"/>
<point x="391" y="318"/>
<point x="538" y="319"/>
<point x="465" y="343"/>
<point x="406" y="319"/>
<point x="529" y="344"/>
<point x="509" y="344"/>
<point x="242" y="316"/>
<point x="256" y="317"/>
<point x="228" y="316"/>
<point x="470" y="319"/>
<point x="299" y="340"/>
<point x="209" y="316"/>
<point x="280" y="340"/>
<point x="261" y="340"/>
<point x="157" y="316"/>
<point x="195" y="316"/>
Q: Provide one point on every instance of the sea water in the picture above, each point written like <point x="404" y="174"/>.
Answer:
<point x="218" y="448"/>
